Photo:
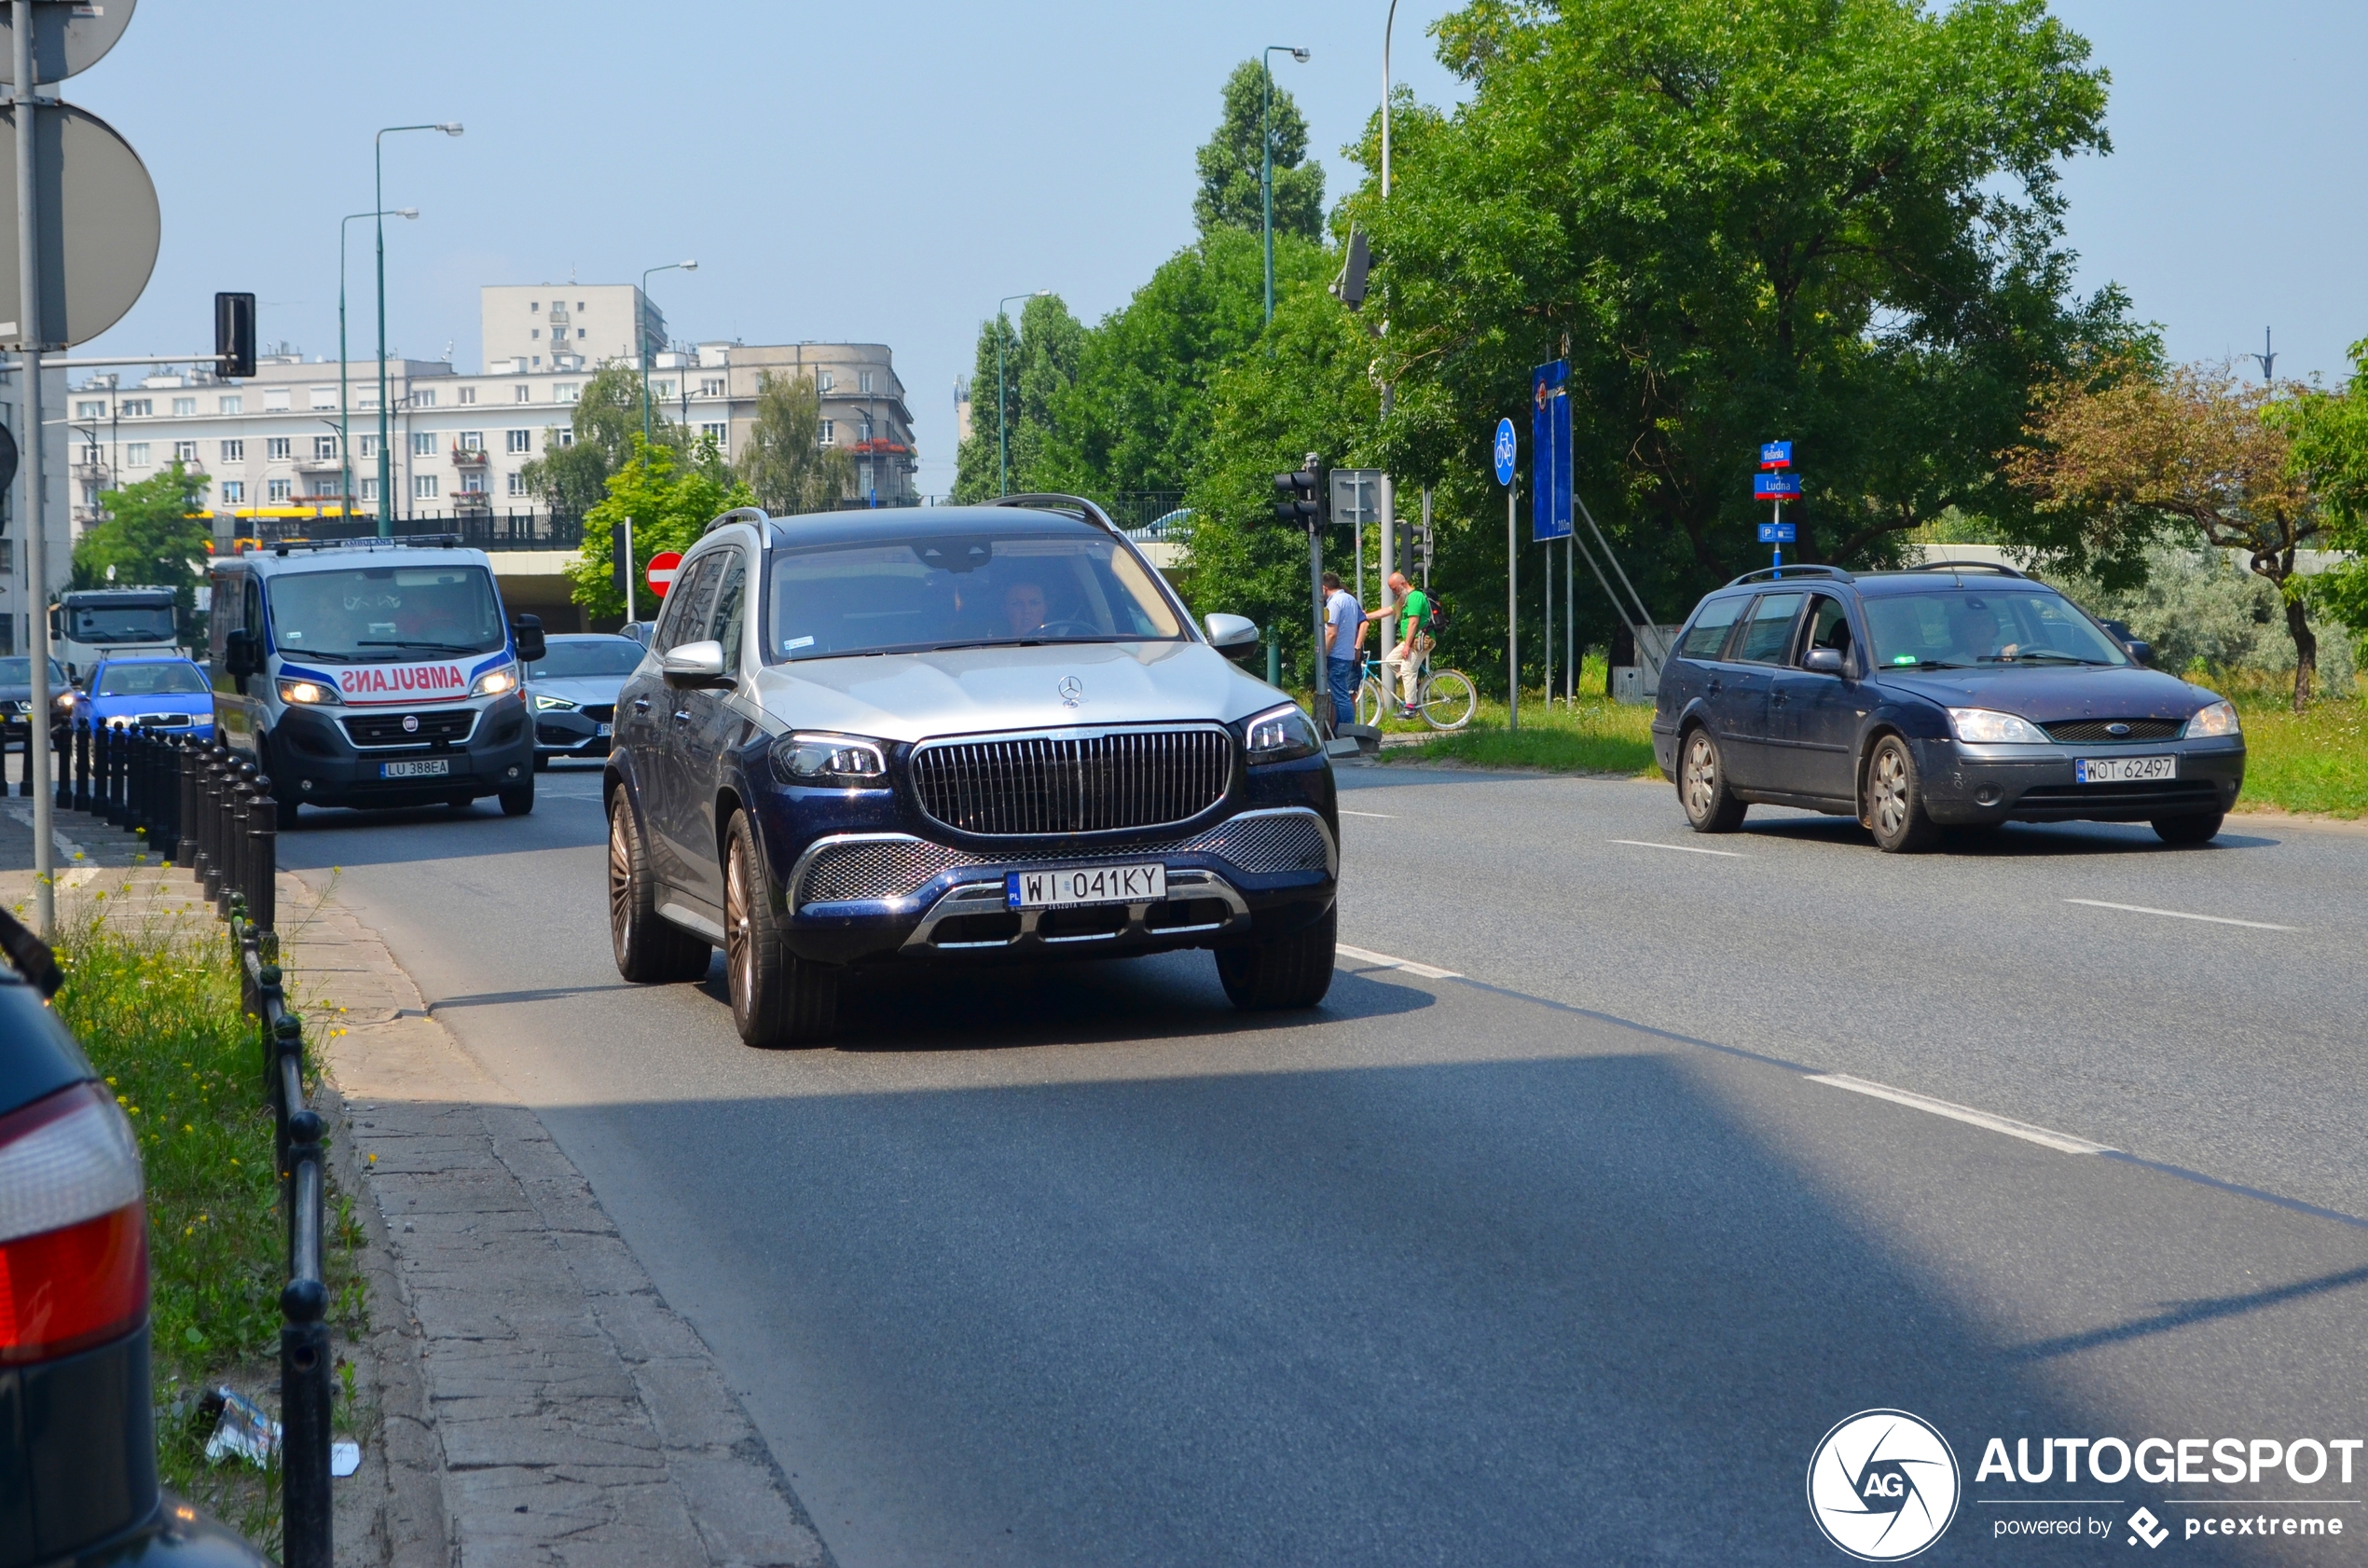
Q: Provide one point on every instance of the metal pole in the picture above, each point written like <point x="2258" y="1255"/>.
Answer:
<point x="628" y="572"/>
<point x="29" y="316"/>
<point x="1513" y="617"/>
<point x="1550" y="626"/>
<point x="1427" y="540"/>
<point x="1320" y="684"/>
<point x="1266" y="173"/>
<point x="1570" y="622"/>
<point x="386" y="465"/>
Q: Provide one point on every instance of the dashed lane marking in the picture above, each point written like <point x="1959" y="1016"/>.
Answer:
<point x="1681" y="848"/>
<point x="2064" y="1142"/>
<point x="2183" y="914"/>
<point x="1383" y="960"/>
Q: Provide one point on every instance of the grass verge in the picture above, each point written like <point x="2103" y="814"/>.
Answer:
<point x="2315" y="760"/>
<point x="1596" y="737"/>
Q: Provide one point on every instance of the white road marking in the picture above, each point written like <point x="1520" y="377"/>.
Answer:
<point x="1682" y="848"/>
<point x="2064" y="1142"/>
<point x="2183" y="914"/>
<point x="1383" y="960"/>
<point x="1389" y="815"/>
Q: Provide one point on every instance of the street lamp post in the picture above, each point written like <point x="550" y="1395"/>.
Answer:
<point x="378" y="192"/>
<point x="1390" y="485"/>
<point x="345" y="426"/>
<point x="642" y="330"/>
<point x="1002" y="417"/>
<point x="1266" y="156"/>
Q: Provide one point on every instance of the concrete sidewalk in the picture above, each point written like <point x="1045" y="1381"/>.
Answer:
<point x="529" y="1396"/>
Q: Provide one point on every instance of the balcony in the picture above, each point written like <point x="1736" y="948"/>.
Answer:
<point x="315" y="464"/>
<point x="470" y="457"/>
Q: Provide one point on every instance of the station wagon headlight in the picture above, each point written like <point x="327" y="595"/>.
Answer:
<point x="1281" y="734"/>
<point x="830" y="761"/>
<point x="309" y="693"/>
<point x="1982" y="726"/>
<point x="2219" y="719"/>
<point x="493" y="683"/>
<point x="553" y="705"/>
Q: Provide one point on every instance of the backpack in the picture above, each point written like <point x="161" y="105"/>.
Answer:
<point x="1434" y="618"/>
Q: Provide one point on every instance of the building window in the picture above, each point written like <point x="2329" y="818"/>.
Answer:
<point x="324" y="447"/>
<point x="184" y="451"/>
<point x="662" y="389"/>
<point x="517" y="485"/>
<point x="370" y="491"/>
<point x="91" y="410"/>
<point x="92" y="455"/>
<point x="277" y="491"/>
<point x="710" y="386"/>
<point x="473" y="441"/>
<point x="822" y="381"/>
<point x="525" y="393"/>
<point x="468" y="394"/>
<point x="276" y="401"/>
<point x="473" y="482"/>
<point x="863" y="428"/>
<point x="580" y="332"/>
<point x="863" y="382"/>
<point x="185" y="404"/>
<point x="135" y="453"/>
<point x="424" y="398"/>
<point x="234" y="451"/>
<point x="136" y="407"/>
<point x="275" y="448"/>
<point x="719" y="434"/>
<point x="233" y="405"/>
<point x="233" y="491"/>
<point x="565" y="392"/>
<point x="326" y="485"/>
<point x="89" y="496"/>
<point x="423" y="443"/>
<point x="369" y="447"/>
<point x="536" y="332"/>
<point x="324" y="397"/>
<point x="534" y="305"/>
<point x="566" y="436"/>
<point x="517" y="440"/>
<point x="423" y="487"/>
<point x="827" y="434"/>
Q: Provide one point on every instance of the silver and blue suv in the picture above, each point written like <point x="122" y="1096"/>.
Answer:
<point x="886" y="739"/>
<point x="1952" y="695"/>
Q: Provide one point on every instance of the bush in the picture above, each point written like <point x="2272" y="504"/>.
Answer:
<point x="2216" y="623"/>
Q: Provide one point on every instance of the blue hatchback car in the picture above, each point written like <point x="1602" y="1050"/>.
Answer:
<point x="161" y="693"/>
<point x="1954" y="696"/>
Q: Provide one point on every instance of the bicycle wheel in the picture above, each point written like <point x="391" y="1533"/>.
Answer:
<point x="1369" y="701"/>
<point x="1447" y="700"/>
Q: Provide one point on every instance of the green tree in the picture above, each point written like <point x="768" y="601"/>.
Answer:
<point x="1229" y="164"/>
<point x="2330" y="432"/>
<point x="783" y="460"/>
<point x="1040" y="361"/>
<point x="154" y="534"/>
<point x="670" y="500"/>
<point x="573" y="473"/>
<point x="1835" y="221"/>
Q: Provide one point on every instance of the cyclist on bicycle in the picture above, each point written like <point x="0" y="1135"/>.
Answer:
<point x="1415" y="605"/>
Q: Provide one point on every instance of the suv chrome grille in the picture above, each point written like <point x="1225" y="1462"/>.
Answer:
<point x="1073" y="783"/>
<point x="2090" y="730"/>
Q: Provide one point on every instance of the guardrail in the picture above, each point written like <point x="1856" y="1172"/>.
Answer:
<point x="201" y="805"/>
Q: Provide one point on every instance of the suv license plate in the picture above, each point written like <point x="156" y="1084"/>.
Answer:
<point x="433" y="768"/>
<point x="2123" y="770"/>
<point x="1084" y="885"/>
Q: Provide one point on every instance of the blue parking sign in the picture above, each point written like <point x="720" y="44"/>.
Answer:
<point x="1777" y="533"/>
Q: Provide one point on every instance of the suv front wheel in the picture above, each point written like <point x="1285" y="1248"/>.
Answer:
<point x="649" y="950"/>
<point x="777" y="997"/>
<point x="1291" y="970"/>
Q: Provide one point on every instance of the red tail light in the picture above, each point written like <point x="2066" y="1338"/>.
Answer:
<point x="74" y="1238"/>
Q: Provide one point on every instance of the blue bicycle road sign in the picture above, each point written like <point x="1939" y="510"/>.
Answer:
<point x="1504" y="451"/>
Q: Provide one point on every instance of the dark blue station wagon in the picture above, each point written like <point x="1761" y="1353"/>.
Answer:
<point x="1955" y="696"/>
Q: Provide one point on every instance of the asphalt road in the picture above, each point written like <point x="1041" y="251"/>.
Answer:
<point x="1572" y="1258"/>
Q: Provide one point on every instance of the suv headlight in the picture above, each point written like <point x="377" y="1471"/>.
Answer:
<point x="830" y="762"/>
<point x="1982" y="726"/>
<point x="2219" y="719"/>
<point x="1280" y="735"/>
<point x="493" y="683"/>
<point x="553" y="705"/>
<point x="309" y="693"/>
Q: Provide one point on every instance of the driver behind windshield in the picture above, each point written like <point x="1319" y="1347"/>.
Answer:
<point x="1024" y="608"/>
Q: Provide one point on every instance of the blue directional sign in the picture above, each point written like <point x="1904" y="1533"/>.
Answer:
<point x="1777" y="533"/>
<point x="1549" y="489"/>
<point x="1776" y="487"/>
<point x="1775" y="454"/>
<point x="1504" y="451"/>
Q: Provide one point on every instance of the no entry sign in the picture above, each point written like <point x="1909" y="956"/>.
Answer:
<point x="661" y="573"/>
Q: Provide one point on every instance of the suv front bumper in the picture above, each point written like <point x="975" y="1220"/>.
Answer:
<point x="1980" y="784"/>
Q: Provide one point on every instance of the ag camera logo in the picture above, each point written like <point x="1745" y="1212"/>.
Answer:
<point x="1883" y="1485"/>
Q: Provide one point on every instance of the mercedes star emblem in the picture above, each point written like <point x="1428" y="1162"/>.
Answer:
<point x="1072" y="690"/>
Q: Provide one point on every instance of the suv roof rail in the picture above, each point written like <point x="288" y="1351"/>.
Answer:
<point x="1999" y="566"/>
<point x="1771" y="574"/>
<point x="1052" y="500"/>
<point x="756" y="515"/>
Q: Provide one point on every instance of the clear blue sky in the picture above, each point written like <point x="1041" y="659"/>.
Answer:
<point x="883" y="173"/>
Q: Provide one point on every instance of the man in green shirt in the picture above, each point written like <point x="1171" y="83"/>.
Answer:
<point x="1413" y="607"/>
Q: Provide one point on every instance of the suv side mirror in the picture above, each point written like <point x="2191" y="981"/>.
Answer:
<point x="238" y="654"/>
<point x="1233" y="635"/>
<point x="696" y="664"/>
<point x="528" y="630"/>
<point x="1825" y="661"/>
<point x="2141" y="651"/>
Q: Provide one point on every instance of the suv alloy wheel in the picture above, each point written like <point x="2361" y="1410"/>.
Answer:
<point x="777" y="997"/>
<point x="649" y="950"/>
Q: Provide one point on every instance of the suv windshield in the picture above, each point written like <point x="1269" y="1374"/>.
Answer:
<point x="148" y="681"/>
<point x="962" y="590"/>
<point x="386" y="613"/>
<point x="1959" y="629"/>
<point x="120" y="622"/>
<point x="606" y="655"/>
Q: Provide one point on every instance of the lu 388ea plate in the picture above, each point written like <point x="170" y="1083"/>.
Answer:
<point x="2123" y="770"/>
<point x="1085" y="884"/>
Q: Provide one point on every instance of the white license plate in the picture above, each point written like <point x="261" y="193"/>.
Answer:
<point x="601" y="730"/>
<point x="1055" y="889"/>
<point x="2123" y="770"/>
<point x="432" y="767"/>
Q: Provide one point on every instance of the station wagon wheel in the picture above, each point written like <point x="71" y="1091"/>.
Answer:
<point x="1711" y="806"/>
<point x="1896" y="800"/>
<point x="777" y="997"/>
<point x="649" y="949"/>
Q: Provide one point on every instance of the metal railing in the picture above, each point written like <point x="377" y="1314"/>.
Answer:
<point x="201" y="805"/>
<point x="479" y="530"/>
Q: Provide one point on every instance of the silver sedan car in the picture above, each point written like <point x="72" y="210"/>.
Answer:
<point x="572" y="692"/>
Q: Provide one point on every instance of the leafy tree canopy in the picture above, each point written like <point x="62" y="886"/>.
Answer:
<point x="602" y="430"/>
<point x="670" y="500"/>
<point x="2330" y="432"/>
<point x="1039" y="362"/>
<point x="783" y="460"/>
<point x="1229" y="165"/>
<point x="153" y="529"/>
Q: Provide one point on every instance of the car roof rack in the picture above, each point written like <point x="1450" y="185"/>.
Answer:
<point x="756" y="515"/>
<point x="1999" y="566"/>
<point x="1770" y="574"/>
<point x="1052" y="500"/>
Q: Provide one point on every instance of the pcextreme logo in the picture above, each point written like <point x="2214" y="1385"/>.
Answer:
<point x="1883" y="1485"/>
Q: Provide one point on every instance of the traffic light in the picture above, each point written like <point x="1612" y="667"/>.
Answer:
<point x="234" y="336"/>
<point x="1295" y="502"/>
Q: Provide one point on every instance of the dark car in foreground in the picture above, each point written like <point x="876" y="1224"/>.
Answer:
<point x="921" y="738"/>
<point x="572" y="692"/>
<point x="78" y="1451"/>
<point x="1951" y="696"/>
<point x="16" y="698"/>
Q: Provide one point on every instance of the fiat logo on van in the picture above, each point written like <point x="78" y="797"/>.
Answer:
<point x="410" y="724"/>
